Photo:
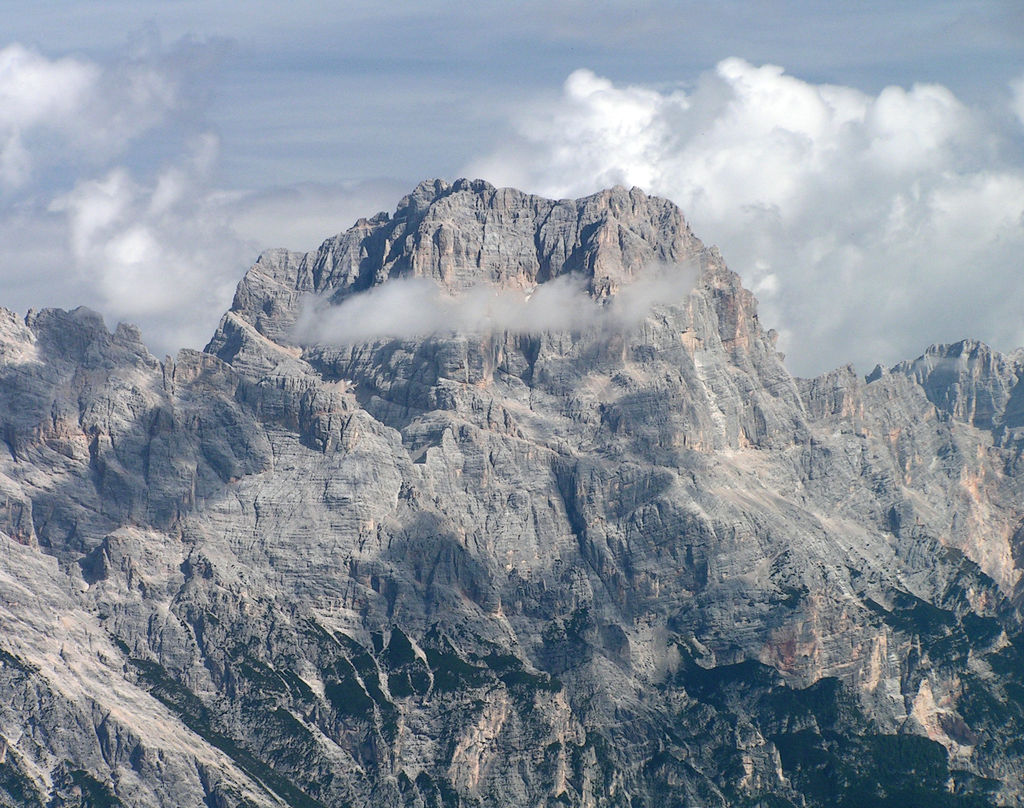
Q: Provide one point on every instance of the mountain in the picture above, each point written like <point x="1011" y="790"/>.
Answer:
<point x="630" y="561"/>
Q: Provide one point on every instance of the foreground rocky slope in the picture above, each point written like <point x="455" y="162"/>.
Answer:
<point x="631" y="564"/>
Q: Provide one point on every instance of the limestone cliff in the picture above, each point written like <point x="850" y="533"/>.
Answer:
<point x="632" y="565"/>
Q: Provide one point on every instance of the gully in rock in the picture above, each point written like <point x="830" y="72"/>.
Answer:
<point x="594" y="546"/>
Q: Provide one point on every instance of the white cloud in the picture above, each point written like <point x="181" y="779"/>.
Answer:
<point x="167" y="253"/>
<point x="418" y="307"/>
<point x="159" y="253"/>
<point x="49" y="108"/>
<point x="870" y="226"/>
<point x="35" y="90"/>
<point x="36" y="93"/>
<point x="84" y="221"/>
<point x="78" y="225"/>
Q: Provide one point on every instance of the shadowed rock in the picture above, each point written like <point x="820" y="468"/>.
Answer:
<point x="636" y="564"/>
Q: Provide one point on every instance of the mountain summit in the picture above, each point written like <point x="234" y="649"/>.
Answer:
<point x="587" y="561"/>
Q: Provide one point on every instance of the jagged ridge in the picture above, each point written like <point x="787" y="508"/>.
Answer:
<point x="639" y="567"/>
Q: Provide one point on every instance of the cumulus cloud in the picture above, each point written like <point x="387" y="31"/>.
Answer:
<point x="408" y="308"/>
<point x="80" y="222"/>
<point x="150" y="239"/>
<point x="166" y="252"/>
<point x="868" y="225"/>
<point x="157" y="252"/>
<point x="50" y="107"/>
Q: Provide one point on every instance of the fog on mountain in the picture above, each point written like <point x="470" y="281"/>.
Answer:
<point x="504" y="500"/>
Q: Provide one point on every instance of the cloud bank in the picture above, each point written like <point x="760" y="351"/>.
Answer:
<point x="157" y="251"/>
<point x="410" y="308"/>
<point x="64" y="111"/>
<point x="868" y="225"/>
<point x="105" y="196"/>
<point x="109" y="198"/>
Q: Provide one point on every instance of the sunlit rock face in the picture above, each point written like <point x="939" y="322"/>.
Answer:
<point x="611" y="555"/>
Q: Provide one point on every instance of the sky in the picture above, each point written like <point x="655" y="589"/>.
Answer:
<point x="860" y="165"/>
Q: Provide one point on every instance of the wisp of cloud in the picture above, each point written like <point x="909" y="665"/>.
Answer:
<point x="412" y="308"/>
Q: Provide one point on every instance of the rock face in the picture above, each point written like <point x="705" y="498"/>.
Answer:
<point x="620" y="566"/>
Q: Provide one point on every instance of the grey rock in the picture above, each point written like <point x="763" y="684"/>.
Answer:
<point x="629" y="566"/>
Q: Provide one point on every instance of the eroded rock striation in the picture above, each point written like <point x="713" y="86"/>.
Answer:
<point x="635" y="565"/>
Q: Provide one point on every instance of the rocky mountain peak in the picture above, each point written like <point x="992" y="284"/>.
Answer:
<point x="972" y="382"/>
<point x="469" y="233"/>
<point x="615" y="561"/>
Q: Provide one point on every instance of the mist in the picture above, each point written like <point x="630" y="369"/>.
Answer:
<point x="412" y="308"/>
